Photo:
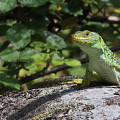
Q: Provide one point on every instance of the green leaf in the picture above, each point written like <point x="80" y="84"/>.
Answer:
<point x="9" y="55"/>
<point x="36" y="66"/>
<point x="80" y="70"/>
<point x="12" y="83"/>
<point x="37" y="44"/>
<point x="114" y="3"/>
<point x="53" y="41"/>
<point x="56" y="60"/>
<point x="7" y="5"/>
<point x="55" y="1"/>
<point x="73" y="7"/>
<point x="19" y="36"/>
<point x="33" y="3"/>
<point x="26" y="54"/>
<point x="72" y="62"/>
<point x="40" y="57"/>
<point x="30" y="66"/>
<point x="9" y="82"/>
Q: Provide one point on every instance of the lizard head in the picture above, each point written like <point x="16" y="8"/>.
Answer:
<point x="89" y="42"/>
<point x="86" y="38"/>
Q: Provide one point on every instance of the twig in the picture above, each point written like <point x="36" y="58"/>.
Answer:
<point x="5" y="45"/>
<point x="49" y="71"/>
<point x="104" y="19"/>
<point x="99" y="9"/>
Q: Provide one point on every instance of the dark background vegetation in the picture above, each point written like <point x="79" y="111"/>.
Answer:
<point x="35" y="37"/>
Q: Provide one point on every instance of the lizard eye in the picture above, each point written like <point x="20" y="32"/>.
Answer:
<point x="87" y="33"/>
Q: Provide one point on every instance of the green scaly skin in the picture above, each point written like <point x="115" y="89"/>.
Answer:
<point x="102" y="61"/>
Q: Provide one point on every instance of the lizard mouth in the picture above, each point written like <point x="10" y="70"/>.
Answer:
<point x="82" y="40"/>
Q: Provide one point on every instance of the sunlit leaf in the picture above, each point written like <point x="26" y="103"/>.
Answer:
<point x="40" y="57"/>
<point x="36" y="66"/>
<point x="37" y="44"/>
<point x="72" y="62"/>
<point x="80" y="70"/>
<point x="56" y="60"/>
<point x="23" y="73"/>
<point x="30" y="66"/>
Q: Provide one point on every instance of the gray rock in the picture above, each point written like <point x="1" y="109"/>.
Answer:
<point x="62" y="102"/>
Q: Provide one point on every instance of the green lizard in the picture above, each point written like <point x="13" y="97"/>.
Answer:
<point x="103" y="64"/>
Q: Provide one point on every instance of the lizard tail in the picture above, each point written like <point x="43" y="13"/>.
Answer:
<point x="56" y="81"/>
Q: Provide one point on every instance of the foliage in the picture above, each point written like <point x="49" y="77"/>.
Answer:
<point x="35" y="34"/>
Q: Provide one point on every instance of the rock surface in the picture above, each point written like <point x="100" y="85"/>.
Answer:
<point x="62" y="102"/>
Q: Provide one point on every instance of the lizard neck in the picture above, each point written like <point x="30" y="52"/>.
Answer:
<point x="92" y="51"/>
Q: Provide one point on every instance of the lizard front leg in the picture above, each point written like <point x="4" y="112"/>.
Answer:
<point x="89" y="77"/>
